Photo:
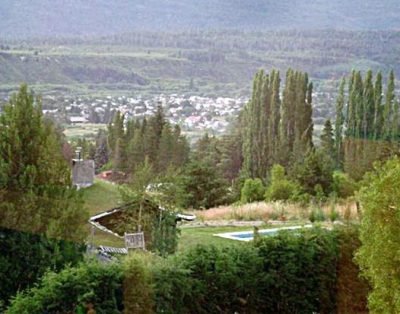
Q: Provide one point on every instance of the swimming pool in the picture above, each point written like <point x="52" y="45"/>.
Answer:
<point x="248" y="235"/>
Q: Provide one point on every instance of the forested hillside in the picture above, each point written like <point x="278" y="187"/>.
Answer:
<point x="219" y="62"/>
<point x="38" y="18"/>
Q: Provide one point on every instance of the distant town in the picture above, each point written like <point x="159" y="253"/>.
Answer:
<point x="192" y="113"/>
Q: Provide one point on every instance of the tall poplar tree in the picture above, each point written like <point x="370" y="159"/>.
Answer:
<point x="388" y="109"/>
<point x="339" y="121"/>
<point x="378" y="117"/>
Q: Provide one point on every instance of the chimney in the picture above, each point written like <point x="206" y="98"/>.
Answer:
<point x="78" y="152"/>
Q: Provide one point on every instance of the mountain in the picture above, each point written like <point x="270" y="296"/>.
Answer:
<point x="25" y="18"/>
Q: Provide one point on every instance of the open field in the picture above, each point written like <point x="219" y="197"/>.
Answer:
<point x="87" y="130"/>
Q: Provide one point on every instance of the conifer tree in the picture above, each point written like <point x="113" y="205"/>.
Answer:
<point x="327" y="140"/>
<point x="34" y="177"/>
<point x="165" y="149"/>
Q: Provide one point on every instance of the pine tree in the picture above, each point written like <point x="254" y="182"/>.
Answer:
<point x="165" y="150"/>
<point x="34" y="177"/>
<point x="327" y="140"/>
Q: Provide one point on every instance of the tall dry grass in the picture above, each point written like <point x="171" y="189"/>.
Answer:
<point x="276" y="211"/>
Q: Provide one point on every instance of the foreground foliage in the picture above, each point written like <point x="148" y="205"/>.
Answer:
<point x="301" y="273"/>
<point x="380" y="229"/>
<point x="36" y="197"/>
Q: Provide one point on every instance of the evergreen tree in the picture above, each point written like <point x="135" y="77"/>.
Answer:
<point x="165" y="150"/>
<point x="36" y="199"/>
<point x="202" y="186"/>
<point x="101" y="155"/>
<point x="327" y="140"/>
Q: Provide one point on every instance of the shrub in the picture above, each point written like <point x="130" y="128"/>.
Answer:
<point x="288" y="273"/>
<point x="138" y="289"/>
<point x="343" y="186"/>
<point x="333" y="214"/>
<point x="378" y="255"/>
<point x="316" y="215"/>
<point x="25" y="257"/>
<point x="90" y="282"/>
<point x="352" y="289"/>
<point x="280" y="187"/>
<point x="252" y="191"/>
<point x="300" y="269"/>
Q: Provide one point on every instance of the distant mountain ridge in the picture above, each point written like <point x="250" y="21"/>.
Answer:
<point x="26" y="18"/>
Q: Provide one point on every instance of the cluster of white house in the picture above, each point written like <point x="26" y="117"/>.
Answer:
<point x="191" y="112"/>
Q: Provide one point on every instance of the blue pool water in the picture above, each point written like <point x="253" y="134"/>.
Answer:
<point x="251" y="234"/>
<point x="248" y="235"/>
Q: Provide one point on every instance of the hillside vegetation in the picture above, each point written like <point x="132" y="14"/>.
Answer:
<point x="46" y="17"/>
<point x="217" y="63"/>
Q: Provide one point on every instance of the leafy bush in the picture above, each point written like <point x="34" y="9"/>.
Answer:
<point x="378" y="255"/>
<point x="343" y="186"/>
<point x="90" y="282"/>
<point x="252" y="191"/>
<point x="289" y="273"/>
<point x="301" y="270"/>
<point x="333" y="214"/>
<point x="352" y="289"/>
<point x="25" y="257"/>
<point x="211" y="280"/>
<point x="280" y="187"/>
<point x="138" y="289"/>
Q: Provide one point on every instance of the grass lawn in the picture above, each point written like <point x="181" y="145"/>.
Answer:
<point x="83" y="130"/>
<point x="204" y="235"/>
<point x="101" y="197"/>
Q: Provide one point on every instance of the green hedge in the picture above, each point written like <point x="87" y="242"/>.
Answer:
<point x="300" y="272"/>
<point x="72" y="288"/>
<point x="25" y="257"/>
